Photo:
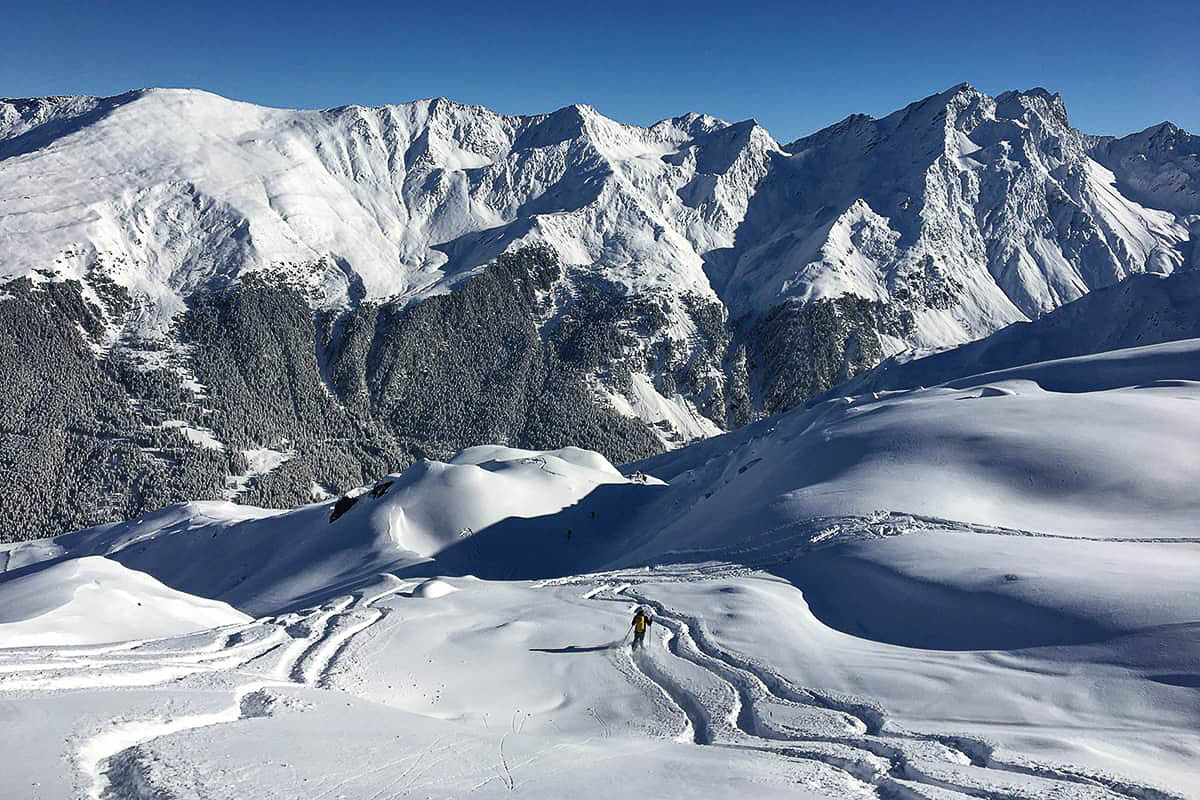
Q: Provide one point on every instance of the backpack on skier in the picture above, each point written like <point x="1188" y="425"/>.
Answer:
<point x="641" y="623"/>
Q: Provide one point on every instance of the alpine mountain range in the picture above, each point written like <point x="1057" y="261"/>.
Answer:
<point x="206" y="299"/>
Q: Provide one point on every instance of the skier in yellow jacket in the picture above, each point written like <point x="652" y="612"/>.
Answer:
<point x="641" y="623"/>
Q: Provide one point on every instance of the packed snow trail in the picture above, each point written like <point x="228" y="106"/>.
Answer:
<point x="110" y="760"/>
<point x="746" y="705"/>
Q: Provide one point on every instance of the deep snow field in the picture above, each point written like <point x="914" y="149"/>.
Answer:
<point x="987" y="588"/>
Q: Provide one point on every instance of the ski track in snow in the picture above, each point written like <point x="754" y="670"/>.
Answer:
<point x="109" y="761"/>
<point x="774" y="546"/>
<point x="740" y="705"/>
<point x="745" y="705"/>
<point x="724" y="699"/>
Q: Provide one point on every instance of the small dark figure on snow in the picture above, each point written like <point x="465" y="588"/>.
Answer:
<point x="641" y="623"/>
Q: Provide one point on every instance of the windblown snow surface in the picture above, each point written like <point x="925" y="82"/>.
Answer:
<point x="982" y="589"/>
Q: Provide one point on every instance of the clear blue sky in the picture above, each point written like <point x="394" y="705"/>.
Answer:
<point x="1120" y="66"/>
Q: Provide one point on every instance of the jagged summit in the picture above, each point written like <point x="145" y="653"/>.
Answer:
<point x="1017" y="104"/>
<point x="1037" y="92"/>
<point x="692" y="121"/>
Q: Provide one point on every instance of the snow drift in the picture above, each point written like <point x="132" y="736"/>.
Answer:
<point x="489" y="510"/>
<point x="90" y="600"/>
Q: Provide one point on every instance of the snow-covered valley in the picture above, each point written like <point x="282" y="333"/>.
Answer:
<point x="980" y="589"/>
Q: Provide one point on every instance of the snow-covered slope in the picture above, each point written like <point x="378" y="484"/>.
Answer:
<point x="90" y="599"/>
<point x="264" y="561"/>
<point x="981" y="590"/>
<point x="1159" y="166"/>
<point x="1141" y="310"/>
<point x="1092" y="446"/>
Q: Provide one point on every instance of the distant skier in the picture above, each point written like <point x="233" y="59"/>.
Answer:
<point x="641" y="623"/>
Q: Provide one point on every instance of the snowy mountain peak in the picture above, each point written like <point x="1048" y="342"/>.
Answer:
<point x="1159" y="167"/>
<point x="1036" y="102"/>
<point x="691" y="123"/>
<point x="414" y="186"/>
<point x="993" y="205"/>
<point x="400" y="194"/>
<point x="933" y="225"/>
<point x="1168" y="136"/>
